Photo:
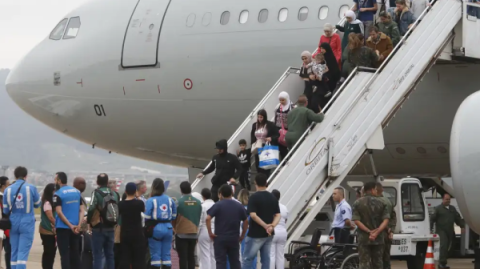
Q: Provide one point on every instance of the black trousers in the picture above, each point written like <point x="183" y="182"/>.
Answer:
<point x="342" y="235"/>
<point x="68" y="246"/>
<point x="227" y="246"/>
<point x="244" y="180"/>
<point x="8" y="252"/>
<point x="117" y="254"/>
<point x="214" y="191"/>
<point x="186" y="252"/>
<point x="132" y="252"/>
<point x="49" y="250"/>
<point x="283" y="150"/>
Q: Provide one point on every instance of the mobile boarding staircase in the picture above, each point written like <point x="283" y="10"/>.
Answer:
<point x="356" y="115"/>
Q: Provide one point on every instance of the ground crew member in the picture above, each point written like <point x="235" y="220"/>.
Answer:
<point x="159" y="213"/>
<point x="226" y="166"/>
<point x="444" y="216"/>
<point x="392" y="223"/>
<point x="371" y="216"/>
<point x="20" y="208"/>
<point x="70" y="211"/>
<point x="342" y="220"/>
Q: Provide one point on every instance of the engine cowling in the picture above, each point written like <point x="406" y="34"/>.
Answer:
<point x="465" y="159"/>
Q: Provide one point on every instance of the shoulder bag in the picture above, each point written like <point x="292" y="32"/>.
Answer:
<point x="282" y="132"/>
<point x="5" y="223"/>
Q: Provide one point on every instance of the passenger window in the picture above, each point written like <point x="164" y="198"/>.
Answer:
<point x="207" y="18"/>
<point x="413" y="207"/>
<point x="323" y="13"/>
<point x="225" y="17"/>
<point x="342" y="11"/>
<point x="72" y="28"/>
<point x="243" y="16"/>
<point x="57" y="32"/>
<point x="391" y="194"/>
<point x="191" y="20"/>
<point x="263" y="16"/>
<point x="303" y="14"/>
<point x="282" y="15"/>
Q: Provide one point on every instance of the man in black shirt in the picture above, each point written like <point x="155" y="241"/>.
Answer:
<point x="228" y="214"/>
<point x="226" y="166"/>
<point x="264" y="216"/>
<point x="132" y="240"/>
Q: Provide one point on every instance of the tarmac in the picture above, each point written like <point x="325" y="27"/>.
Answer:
<point x="35" y="258"/>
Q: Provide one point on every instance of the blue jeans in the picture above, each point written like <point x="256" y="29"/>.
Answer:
<point x="242" y="249"/>
<point x="102" y="246"/>
<point x="252" y="246"/>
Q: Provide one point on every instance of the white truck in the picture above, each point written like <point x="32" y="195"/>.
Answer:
<point x="412" y="232"/>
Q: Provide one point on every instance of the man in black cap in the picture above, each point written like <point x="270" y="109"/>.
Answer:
<point x="226" y="166"/>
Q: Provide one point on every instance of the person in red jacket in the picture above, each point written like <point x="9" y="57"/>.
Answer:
<point x="334" y="40"/>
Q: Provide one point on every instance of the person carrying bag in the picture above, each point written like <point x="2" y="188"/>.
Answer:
<point x="5" y="223"/>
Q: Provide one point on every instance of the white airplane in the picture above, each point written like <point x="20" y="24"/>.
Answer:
<point x="162" y="80"/>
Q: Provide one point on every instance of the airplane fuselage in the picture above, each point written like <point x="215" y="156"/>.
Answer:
<point x="170" y="101"/>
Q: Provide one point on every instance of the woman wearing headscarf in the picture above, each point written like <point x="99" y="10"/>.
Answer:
<point x="304" y="70"/>
<point x="333" y="74"/>
<point x="333" y="39"/>
<point x="281" y="111"/>
<point x="352" y="25"/>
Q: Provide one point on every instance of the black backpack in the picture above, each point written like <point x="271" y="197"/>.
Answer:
<point x="108" y="208"/>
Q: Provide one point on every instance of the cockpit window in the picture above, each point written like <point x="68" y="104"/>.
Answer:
<point x="72" y="28"/>
<point x="57" y="32"/>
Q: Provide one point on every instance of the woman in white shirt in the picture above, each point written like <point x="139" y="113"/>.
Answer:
<point x="277" y="259"/>
<point x="206" y="253"/>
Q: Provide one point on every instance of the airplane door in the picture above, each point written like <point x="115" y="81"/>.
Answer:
<point x="140" y="46"/>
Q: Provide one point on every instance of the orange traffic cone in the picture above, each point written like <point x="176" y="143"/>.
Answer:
<point x="429" y="262"/>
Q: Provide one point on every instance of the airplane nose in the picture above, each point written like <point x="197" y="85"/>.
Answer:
<point x="34" y="85"/>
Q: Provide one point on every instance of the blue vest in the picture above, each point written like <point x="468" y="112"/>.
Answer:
<point x="25" y="201"/>
<point x="161" y="208"/>
<point x="70" y="199"/>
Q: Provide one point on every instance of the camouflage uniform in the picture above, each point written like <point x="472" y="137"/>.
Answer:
<point x="363" y="56"/>
<point x="370" y="211"/>
<point x="444" y="219"/>
<point x="392" y="223"/>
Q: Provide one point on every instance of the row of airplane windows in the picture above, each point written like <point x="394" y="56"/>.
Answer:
<point x="303" y="13"/>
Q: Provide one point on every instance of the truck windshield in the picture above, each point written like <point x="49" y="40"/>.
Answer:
<point x="413" y="206"/>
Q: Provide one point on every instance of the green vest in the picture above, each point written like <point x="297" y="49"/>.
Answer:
<point x="45" y="222"/>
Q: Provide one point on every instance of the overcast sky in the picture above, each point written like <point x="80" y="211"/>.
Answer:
<point x="24" y="23"/>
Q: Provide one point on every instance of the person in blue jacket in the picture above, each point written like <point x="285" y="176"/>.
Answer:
<point x="70" y="210"/>
<point x="159" y="213"/>
<point x="22" y="216"/>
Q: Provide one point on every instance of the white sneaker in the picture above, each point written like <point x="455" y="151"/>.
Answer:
<point x="328" y="94"/>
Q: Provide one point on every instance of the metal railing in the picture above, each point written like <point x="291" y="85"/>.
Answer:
<point x="387" y="60"/>
<point x="249" y="117"/>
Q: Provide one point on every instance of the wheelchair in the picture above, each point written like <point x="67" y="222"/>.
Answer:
<point x="303" y="255"/>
